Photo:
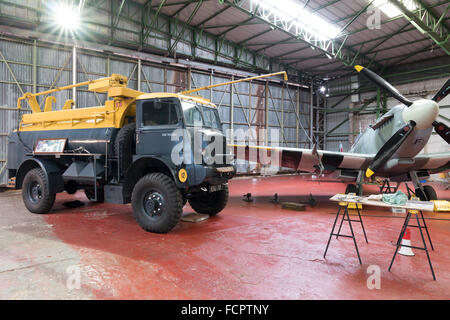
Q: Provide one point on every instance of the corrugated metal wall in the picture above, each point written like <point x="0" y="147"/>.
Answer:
<point x="31" y="66"/>
<point x="160" y="34"/>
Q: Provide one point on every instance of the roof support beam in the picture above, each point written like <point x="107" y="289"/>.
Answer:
<point x="119" y="13"/>
<point x="154" y="22"/>
<point x="383" y="40"/>
<point x="254" y="36"/>
<point x="333" y="48"/>
<point x="425" y="21"/>
<point x="213" y="16"/>
<point x="188" y="21"/>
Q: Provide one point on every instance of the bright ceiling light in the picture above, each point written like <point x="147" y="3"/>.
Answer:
<point x="294" y="11"/>
<point x="67" y="16"/>
<point x="392" y="11"/>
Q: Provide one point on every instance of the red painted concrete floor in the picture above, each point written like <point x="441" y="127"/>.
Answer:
<point x="250" y="251"/>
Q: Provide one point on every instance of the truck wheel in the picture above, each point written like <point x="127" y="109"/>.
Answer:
<point x="125" y="146"/>
<point x="211" y="202"/>
<point x="157" y="203"/>
<point x="90" y="194"/>
<point x="35" y="193"/>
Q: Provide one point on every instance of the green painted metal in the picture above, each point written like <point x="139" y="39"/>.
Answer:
<point x="185" y="24"/>
<point x="425" y="21"/>
<point x="356" y="16"/>
<point x="212" y="16"/>
<point x="154" y="22"/>
<point x="354" y="111"/>
<point x="116" y="20"/>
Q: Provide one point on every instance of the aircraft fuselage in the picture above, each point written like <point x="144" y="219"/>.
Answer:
<point x="373" y="138"/>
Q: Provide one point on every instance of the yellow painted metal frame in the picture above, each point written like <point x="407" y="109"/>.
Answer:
<point x="237" y="81"/>
<point x="112" y="114"/>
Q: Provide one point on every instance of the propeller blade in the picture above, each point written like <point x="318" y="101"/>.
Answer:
<point x="445" y="90"/>
<point x="442" y="130"/>
<point x="389" y="148"/>
<point x="383" y="84"/>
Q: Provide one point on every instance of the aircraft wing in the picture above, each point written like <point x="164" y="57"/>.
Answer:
<point x="434" y="162"/>
<point x="306" y="160"/>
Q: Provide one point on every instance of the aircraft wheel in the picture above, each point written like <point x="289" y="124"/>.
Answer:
<point x="427" y="194"/>
<point x="351" y="188"/>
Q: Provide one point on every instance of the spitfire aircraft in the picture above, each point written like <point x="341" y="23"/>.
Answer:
<point x="388" y="149"/>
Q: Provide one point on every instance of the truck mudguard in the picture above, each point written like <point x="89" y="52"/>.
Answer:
<point x="53" y="172"/>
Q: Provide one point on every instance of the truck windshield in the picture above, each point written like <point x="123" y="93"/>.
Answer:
<point x="198" y="114"/>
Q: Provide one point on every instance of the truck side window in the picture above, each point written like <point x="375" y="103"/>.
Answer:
<point x="159" y="113"/>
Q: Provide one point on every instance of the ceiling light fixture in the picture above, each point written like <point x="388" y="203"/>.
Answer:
<point x="294" y="12"/>
<point x="391" y="10"/>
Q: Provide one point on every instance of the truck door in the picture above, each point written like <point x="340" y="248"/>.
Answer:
<point x="156" y="121"/>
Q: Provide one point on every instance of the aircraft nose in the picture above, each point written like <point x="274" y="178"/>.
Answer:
<point x="422" y="112"/>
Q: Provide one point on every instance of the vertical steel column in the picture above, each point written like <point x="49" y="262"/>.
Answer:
<point x="139" y="74"/>
<point x="282" y="116"/>
<point x="232" y="107"/>
<point x="189" y="75"/>
<point x="317" y="131"/>
<point x="108" y="65"/>
<point x="210" y="83"/>
<point x="325" y="122"/>
<point x="34" y="66"/>
<point x="311" y="115"/>
<point x="250" y="135"/>
<point x="165" y="78"/>
<point x="74" y="75"/>
<point x="297" y="126"/>
<point x="266" y="106"/>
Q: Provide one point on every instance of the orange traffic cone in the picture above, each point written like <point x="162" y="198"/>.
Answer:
<point x="406" y="240"/>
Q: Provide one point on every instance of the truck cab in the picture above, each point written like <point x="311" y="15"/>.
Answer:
<point x="178" y="131"/>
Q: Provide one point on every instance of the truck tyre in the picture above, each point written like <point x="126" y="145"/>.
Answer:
<point x="35" y="193"/>
<point x="125" y="146"/>
<point x="210" y="202"/>
<point x="157" y="203"/>
<point x="90" y="194"/>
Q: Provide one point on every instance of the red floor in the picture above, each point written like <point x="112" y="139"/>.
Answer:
<point x="250" y="251"/>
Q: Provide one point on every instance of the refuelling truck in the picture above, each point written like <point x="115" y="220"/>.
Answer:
<point x="123" y="152"/>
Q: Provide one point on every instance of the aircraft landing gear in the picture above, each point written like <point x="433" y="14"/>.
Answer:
<point x="425" y="193"/>
<point x="358" y="187"/>
<point x="351" y="188"/>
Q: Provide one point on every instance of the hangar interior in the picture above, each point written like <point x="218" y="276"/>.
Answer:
<point x="177" y="45"/>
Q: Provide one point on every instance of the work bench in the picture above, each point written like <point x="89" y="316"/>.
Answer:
<point x="413" y="208"/>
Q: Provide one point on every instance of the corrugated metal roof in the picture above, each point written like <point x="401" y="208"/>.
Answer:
<point x="395" y="38"/>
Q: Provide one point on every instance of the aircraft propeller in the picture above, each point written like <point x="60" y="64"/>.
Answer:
<point x="383" y="84"/>
<point x="439" y="127"/>
<point x="420" y="114"/>
<point x="389" y="148"/>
